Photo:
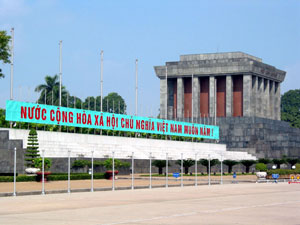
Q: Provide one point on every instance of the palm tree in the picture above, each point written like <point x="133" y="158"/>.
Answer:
<point x="51" y="89"/>
<point x="292" y="161"/>
<point x="264" y="160"/>
<point x="230" y="164"/>
<point x="160" y="164"/>
<point x="187" y="163"/>
<point x="247" y="164"/>
<point x="212" y="163"/>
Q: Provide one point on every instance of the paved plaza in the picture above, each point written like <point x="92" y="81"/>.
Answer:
<point x="217" y="204"/>
<point x="124" y="181"/>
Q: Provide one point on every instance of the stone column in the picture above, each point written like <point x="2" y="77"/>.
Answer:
<point x="260" y="87"/>
<point x="212" y="96"/>
<point x="180" y="97"/>
<point x="228" y="96"/>
<point x="277" y="102"/>
<point x="254" y="96"/>
<point x="272" y="100"/>
<point x="196" y="97"/>
<point x="266" y="97"/>
<point x="247" y="88"/>
<point x="163" y="93"/>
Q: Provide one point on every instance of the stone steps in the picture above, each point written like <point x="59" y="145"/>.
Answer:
<point x="57" y="145"/>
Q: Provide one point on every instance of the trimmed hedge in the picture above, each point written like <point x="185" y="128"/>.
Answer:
<point x="53" y="177"/>
<point x="21" y="178"/>
<point x="79" y="176"/>
<point x="283" y="171"/>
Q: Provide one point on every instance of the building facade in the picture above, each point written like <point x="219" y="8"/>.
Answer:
<point x="232" y="84"/>
<point x="237" y="92"/>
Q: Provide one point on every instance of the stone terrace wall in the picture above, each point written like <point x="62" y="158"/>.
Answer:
<point x="260" y="137"/>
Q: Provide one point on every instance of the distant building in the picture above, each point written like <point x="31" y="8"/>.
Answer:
<point x="244" y="93"/>
<point x="234" y="83"/>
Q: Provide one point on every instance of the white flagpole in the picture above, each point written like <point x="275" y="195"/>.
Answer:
<point x="12" y="66"/>
<point x="101" y="82"/>
<point x="166" y="93"/>
<point x="60" y="71"/>
<point x="12" y="63"/>
<point x="192" y="98"/>
<point x="136" y="87"/>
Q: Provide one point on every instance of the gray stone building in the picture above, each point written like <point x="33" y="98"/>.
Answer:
<point x="232" y="84"/>
<point x="237" y="89"/>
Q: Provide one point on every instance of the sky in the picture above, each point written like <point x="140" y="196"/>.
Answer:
<point x="151" y="31"/>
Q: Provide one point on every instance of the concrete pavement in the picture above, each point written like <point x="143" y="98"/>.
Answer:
<point x="218" y="204"/>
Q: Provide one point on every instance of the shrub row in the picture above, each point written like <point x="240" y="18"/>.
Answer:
<point x="53" y="177"/>
<point x="283" y="171"/>
<point x="21" y="178"/>
<point x="79" y="176"/>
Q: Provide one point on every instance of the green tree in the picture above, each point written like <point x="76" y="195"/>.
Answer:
<point x="4" y="49"/>
<point x="187" y="163"/>
<point x="78" y="102"/>
<point x="160" y="164"/>
<point x="3" y="122"/>
<point x="247" y="164"/>
<point x="108" y="164"/>
<point x="278" y="162"/>
<point x="290" y="106"/>
<point x="111" y="103"/>
<point x="32" y="148"/>
<point x="213" y="162"/>
<point x="51" y="87"/>
<point x="230" y="163"/>
<point x="261" y="167"/>
<point x="89" y="103"/>
<point x="292" y="162"/>
<point x="38" y="163"/>
<point x="264" y="160"/>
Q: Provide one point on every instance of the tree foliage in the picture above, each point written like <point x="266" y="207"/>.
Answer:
<point x="290" y="106"/>
<point x="278" y="162"/>
<point x="160" y="164"/>
<point x="230" y="164"/>
<point x="292" y="161"/>
<point x="38" y="163"/>
<point x="264" y="160"/>
<point x="247" y="164"/>
<point x="51" y="89"/>
<point x="261" y="167"/>
<point x="3" y="122"/>
<point x="111" y="103"/>
<point x="4" y="49"/>
<point x="108" y="164"/>
<point x="213" y="162"/>
<point x="32" y="148"/>
<point x="187" y="163"/>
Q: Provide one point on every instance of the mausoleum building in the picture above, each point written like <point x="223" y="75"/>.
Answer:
<point x="232" y="84"/>
<point x="237" y="92"/>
